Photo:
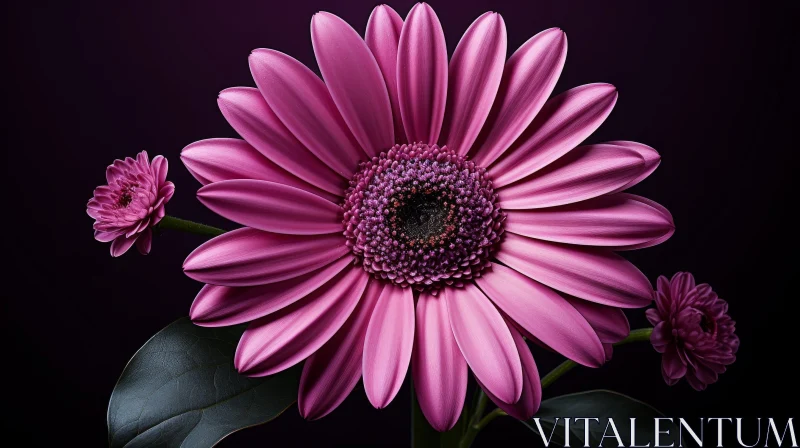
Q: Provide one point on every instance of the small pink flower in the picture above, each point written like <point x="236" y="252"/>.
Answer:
<point x="131" y="203"/>
<point x="692" y="330"/>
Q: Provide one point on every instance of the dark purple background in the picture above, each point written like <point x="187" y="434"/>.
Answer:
<point x="707" y="85"/>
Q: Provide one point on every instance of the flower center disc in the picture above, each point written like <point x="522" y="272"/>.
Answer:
<point x="422" y="216"/>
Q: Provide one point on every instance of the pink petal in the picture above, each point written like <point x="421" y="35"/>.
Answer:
<point x="543" y="313"/>
<point x="562" y="124"/>
<point x="159" y="167"/>
<point x="422" y="75"/>
<point x="219" y="159"/>
<point x="671" y="365"/>
<point x="330" y="374"/>
<point x="145" y="241"/>
<point x="651" y="160"/>
<point x="531" y="396"/>
<point x="474" y="76"/>
<point x="302" y="102"/>
<point x="584" y="173"/>
<point x="608" y="322"/>
<point x="662" y="210"/>
<point x="388" y="345"/>
<point x="529" y="77"/>
<point x="106" y="237"/>
<point x="355" y="82"/>
<point x="382" y="38"/>
<point x="596" y="275"/>
<point x="485" y="341"/>
<point x="248" y="113"/>
<point x="282" y="339"/>
<point x="221" y="306"/>
<point x="438" y="368"/>
<point x="272" y="207"/>
<point x="121" y="244"/>
<point x="249" y="257"/>
<point x="616" y="220"/>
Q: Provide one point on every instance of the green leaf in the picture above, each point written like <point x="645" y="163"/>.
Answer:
<point x="181" y="390"/>
<point x="604" y="405"/>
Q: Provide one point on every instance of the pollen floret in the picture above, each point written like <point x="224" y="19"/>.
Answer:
<point x="420" y="215"/>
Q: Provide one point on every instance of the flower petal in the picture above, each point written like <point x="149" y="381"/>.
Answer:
<point x="121" y="244"/>
<point x="219" y="159"/>
<point x="608" y="322"/>
<point x="302" y="102"/>
<point x="564" y="122"/>
<point x="422" y="75"/>
<point x="382" y="38"/>
<point x="248" y="113"/>
<point x="543" y="313"/>
<point x="616" y="220"/>
<point x="330" y="374"/>
<point x="662" y="210"/>
<point x="221" y="306"/>
<point x="531" y="396"/>
<point x="596" y="275"/>
<point x="529" y="77"/>
<point x="249" y="257"/>
<point x="671" y="365"/>
<point x="476" y="69"/>
<point x="145" y="241"/>
<point x="586" y="172"/>
<point x="355" y="82"/>
<point x="651" y="160"/>
<point x="159" y="167"/>
<point x="485" y="341"/>
<point x="388" y="345"/>
<point x="278" y="341"/>
<point x="438" y="367"/>
<point x="272" y="207"/>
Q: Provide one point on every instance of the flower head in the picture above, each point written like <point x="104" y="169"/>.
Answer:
<point x="126" y="209"/>
<point x="410" y="210"/>
<point x="692" y="330"/>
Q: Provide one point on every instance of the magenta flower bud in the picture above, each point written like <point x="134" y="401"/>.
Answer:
<point x="133" y="202"/>
<point x="692" y="330"/>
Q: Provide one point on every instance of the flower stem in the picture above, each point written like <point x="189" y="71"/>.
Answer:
<point x="641" y="334"/>
<point x="172" y="223"/>
<point x="476" y="424"/>
<point x="556" y="373"/>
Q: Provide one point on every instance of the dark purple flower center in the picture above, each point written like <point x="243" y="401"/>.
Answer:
<point x="422" y="216"/>
<point x="126" y="193"/>
<point x="707" y="324"/>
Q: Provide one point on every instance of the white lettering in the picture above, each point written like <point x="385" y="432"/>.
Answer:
<point x="615" y="436"/>
<point x="789" y="426"/>
<point x="541" y="431"/>
<point x="739" y="433"/>
<point x="659" y="432"/>
<point x="697" y="440"/>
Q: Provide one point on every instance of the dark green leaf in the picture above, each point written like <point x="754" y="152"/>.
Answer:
<point x="181" y="390"/>
<point x="602" y="404"/>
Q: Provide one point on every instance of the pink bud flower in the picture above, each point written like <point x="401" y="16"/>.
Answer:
<point x="692" y="330"/>
<point x="132" y="203"/>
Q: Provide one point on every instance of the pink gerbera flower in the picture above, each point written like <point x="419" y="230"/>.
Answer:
<point x="132" y="203"/>
<point x="411" y="210"/>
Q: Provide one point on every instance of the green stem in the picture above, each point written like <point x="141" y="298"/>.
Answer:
<point x="556" y="373"/>
<point x="476" y="424"/>
<point x="172" y="223"/>
<point x="641" y="334"/>
<point x="491" y="416"/>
